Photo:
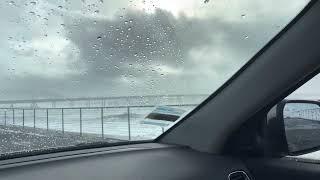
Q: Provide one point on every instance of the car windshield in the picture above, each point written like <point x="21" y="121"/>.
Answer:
<point x="77" y="73"/>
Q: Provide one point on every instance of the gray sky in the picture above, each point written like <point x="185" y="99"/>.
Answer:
<point x="73" y="48"/>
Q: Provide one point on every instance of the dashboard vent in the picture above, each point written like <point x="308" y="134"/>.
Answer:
<point x="238" y="175"/>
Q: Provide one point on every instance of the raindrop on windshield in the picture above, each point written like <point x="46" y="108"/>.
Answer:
<point x="243" y="15"/>
<point x="12" y="3"/>
<point x="33" y="3"/>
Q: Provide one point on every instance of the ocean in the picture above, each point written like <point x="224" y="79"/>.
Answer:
<point x="113" y="121"/>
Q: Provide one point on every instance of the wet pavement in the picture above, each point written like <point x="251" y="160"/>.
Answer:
<point x="15" y="139"/>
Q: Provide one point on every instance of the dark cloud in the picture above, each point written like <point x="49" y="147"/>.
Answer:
<point x="138" y="53"/>
<point x="113" y="47"/>
<point x="138" y="44"/>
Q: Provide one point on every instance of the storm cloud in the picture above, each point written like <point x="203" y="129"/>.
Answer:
<point x="67" y="52"/>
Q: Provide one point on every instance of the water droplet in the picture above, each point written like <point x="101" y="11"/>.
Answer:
<point x="60" y="7"/>
<point x="129" y="28"/>
<point x="130" y="64"/>
<point x="246" y="37"/>
<point x="33" y="3"/>
<point x="125" y="22"/>
<point x="96" y="11"/>
<point x="46" y="19"/>
<point x="99" y="38"/>
<point x="12" y="3"/>
<point x="206" y="1"/>
<point x="63" y="25"/>
<point x="101" y="1"/>
<point x="121" y="17"/>
<point x="32" y="13"/>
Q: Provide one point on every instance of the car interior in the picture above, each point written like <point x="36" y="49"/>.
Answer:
<point x="210" y="142"/>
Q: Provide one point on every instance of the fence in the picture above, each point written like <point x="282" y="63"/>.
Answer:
<point x="111" y="121"/>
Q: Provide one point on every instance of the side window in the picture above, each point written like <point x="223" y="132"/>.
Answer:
<point x="310" y="90"/>
<point x="302" y="119"/>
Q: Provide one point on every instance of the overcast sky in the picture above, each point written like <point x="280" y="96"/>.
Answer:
<point x="81" y="48"/>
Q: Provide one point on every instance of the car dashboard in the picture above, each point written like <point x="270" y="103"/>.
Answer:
<point x="131" y="162"/>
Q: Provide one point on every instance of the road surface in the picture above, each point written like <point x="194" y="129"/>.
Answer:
<point x="15" y="139"/>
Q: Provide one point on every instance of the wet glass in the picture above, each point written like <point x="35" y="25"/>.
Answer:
<point x="75" y="73"/>
<point x="302" y="126"/>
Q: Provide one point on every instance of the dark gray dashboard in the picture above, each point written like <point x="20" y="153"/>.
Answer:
<point x="133" y="162"/>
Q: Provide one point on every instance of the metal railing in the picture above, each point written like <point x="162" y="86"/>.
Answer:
<point x="13" y="111"/>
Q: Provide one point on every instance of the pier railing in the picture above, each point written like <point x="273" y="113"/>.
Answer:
<point x="19" y="117"/>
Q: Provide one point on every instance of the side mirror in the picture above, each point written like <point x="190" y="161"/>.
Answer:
<point x="293" y="128"/>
